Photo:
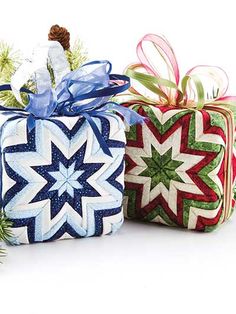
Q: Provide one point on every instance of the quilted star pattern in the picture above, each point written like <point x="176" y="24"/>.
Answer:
<point x="175" y="167"/>
<point x="57" y="182"/>
<point x="161" y="168"/>
<point x="66" y="179"/>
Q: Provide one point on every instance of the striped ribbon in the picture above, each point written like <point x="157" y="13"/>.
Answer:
<point x="159" y="75"/>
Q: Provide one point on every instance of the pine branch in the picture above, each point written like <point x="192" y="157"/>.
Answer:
<point x="51" y="72"/>
<point x="8" y="100"/>
<point x="2" y="253"/>
<point x="77" y="55"/>
<point x="9" y="61"/>
<point x="5" y="232"/>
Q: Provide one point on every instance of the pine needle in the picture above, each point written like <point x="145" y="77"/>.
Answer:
<point x="5" y="232"/>
<point x="77" y="55"/>
<point x="9" y="61"/>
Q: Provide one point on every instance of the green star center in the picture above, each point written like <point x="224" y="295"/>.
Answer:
<point x="161" y="168"/>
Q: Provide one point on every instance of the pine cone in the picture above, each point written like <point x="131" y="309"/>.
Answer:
<point x="61" y="35"/>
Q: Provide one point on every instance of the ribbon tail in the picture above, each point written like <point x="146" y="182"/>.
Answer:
<point x="30" y="122"/>
<point x="130" y="116"/>
<point x="97" y="134"/>
<point x="42" y="105"/>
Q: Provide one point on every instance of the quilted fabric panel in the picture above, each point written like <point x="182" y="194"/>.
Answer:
<point x="175" y="168"/>
<point x="57" y="182"/>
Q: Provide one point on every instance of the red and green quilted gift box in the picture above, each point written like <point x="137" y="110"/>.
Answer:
<point x="180" y="164"/>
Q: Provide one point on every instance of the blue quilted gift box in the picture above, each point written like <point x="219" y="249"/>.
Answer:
<point x="62" y="157"/>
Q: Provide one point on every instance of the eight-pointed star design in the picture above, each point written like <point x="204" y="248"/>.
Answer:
<point x="161" y="168"/>
<point x="66" y="179"/>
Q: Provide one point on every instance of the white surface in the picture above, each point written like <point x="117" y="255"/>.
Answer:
<point x="144" y="268"/>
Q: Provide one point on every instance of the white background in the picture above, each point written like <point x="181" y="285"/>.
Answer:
<point x="145" y="268"/>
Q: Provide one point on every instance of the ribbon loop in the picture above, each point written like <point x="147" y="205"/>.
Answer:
<point x="51" y="52"/>
<point x="84" y="92"/>
<point x="166" y="53"/>
<point x="200" y="86"/>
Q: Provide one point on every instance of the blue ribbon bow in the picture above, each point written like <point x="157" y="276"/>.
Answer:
<point x="84" y="92"/>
